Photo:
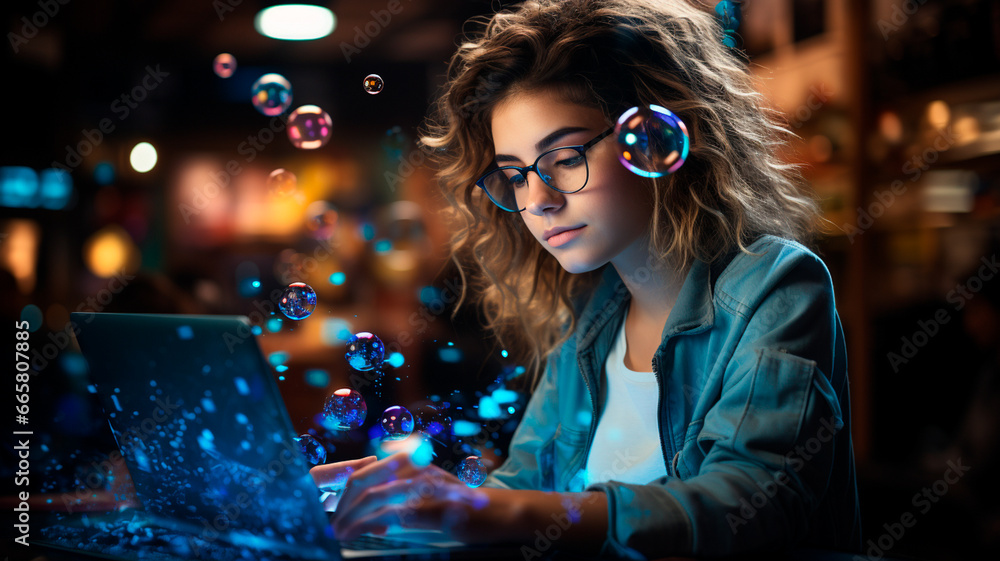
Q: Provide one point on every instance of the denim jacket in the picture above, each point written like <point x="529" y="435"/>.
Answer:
<point x="753" y="416"/>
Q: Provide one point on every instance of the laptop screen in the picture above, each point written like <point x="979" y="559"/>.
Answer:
<point x="202" y="427"/>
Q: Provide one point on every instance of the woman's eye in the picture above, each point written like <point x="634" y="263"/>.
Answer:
<point x="571" y="162"/>
<point x="517" y="180"/>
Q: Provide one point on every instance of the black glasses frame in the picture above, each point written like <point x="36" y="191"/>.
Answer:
<point x="580" y="148"/>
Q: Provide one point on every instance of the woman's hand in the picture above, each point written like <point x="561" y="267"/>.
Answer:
<point x="395" y="492"/>
<point x="332" y="478"/>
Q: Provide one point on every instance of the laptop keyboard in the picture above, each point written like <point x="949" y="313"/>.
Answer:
<point x="367" y="541"/>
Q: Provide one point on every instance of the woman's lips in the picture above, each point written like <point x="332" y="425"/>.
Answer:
<point x="564" y="236"/>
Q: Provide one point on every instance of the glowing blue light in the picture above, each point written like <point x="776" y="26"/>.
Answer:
<point x="185" y="332"/>
<point x="630" y="139"/>
<point x="383" y="246"/>
<point x="503" y="353"/>
<point x="18" y="187"/>
<point x="510" y="410"/>
<point x="367" y="232"/>
<point x="488" y="408"/>
<point x="277" y="358"/>
<point x="338" y="278"/>
<point x="281" y="368"/>
<point x="74" y="364"/>
<point x="255" y="284"/>
<point x="504" y="395"/>
<point x="33" y="315"/>
<point x="256" y="330"/>
<point x="104" y="173"/>
<point x="56" y="188"/>
<point x="317" y="378"/>
<point x="465" y="428"/>
<point x="274" y="324"/>
<point x="396" y="360"/>
<point x="450" y="354"/>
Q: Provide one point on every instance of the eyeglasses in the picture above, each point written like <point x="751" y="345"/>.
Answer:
<point x="563" y="169"/>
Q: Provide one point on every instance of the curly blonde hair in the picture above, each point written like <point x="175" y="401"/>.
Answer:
<point x="610" y="55"/>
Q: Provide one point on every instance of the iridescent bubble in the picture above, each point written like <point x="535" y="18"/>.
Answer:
<point x="652" y="141"/>
<point x="394" y="143"/>
<point x="471" y="471"/>
<point x="321" y="219"/>
<point x="224" y="65"/>
<point x="271" y="94"/>
<point x="309" y="127"/>
<point x="312" y="449"/>
<point x="365" y="351"/>
<point x="373" y="83"/>
<point x="397" y="423"/>
<point x="282" y="183"/>
<point x="297" y="301"/>
<point x="344" y="410"/>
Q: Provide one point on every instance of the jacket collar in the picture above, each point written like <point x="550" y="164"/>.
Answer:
<point x="693" y="310"/>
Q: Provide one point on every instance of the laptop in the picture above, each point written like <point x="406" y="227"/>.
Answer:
<point x="211" y="450"/>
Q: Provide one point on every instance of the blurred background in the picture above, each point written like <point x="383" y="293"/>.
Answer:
<point x="137" y="176"/>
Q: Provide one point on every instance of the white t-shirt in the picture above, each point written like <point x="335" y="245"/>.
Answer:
<point x="626" y="446"/>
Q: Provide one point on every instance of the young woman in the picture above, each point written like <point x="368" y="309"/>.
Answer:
<point x="692" y="394"/>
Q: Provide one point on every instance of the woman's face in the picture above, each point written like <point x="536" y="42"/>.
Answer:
<point x="608" y="218"/>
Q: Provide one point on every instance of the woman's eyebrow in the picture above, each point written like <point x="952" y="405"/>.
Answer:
<point x="544" y="143"/>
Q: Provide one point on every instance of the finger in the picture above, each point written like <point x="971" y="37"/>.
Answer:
<point x="384" y="518"/>
<point x="389" y="469"/>
<point x="335" y="475"/>
<point x="399" y="492"/>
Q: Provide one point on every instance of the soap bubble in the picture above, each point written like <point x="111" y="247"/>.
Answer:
<point x="397" y="423"/>
<point x="271" y="94"/>
<point x="321" y="219"/>
<point x="312" y="449"/>
<point x="309" y="127"/>
<point x="282" y="183"/>
<point x="365" y="351"/>
<point x="471" y="471"/>
<point x="297" y="301"/>
<point x="224" y="65"/>
<point x="652" y="141"/>
<point x="373" y="83"/>
<point x="344" y="409"/>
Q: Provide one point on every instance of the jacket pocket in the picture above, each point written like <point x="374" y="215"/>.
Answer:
<point x="568" y="449"/>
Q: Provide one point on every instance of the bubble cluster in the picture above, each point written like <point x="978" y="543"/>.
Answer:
<point x="373" y="83"/>
<point x="224" y="65"/>
<point x="471" y="471"/>
<point x="345" y="409"/>
<point x="297" y="301"/>
<point x="309" y="127"/>
<point x="271" y="94"/>
<point x="365" y="351"/>
<point x="282" y="183"/>
<point x="652" y="141"/>
<point x="397" y="423"/>
<point x="729" y="15"/>
<point x="312" y="449"/>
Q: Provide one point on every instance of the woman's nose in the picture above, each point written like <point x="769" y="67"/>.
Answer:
<point x="541" y="197"/>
